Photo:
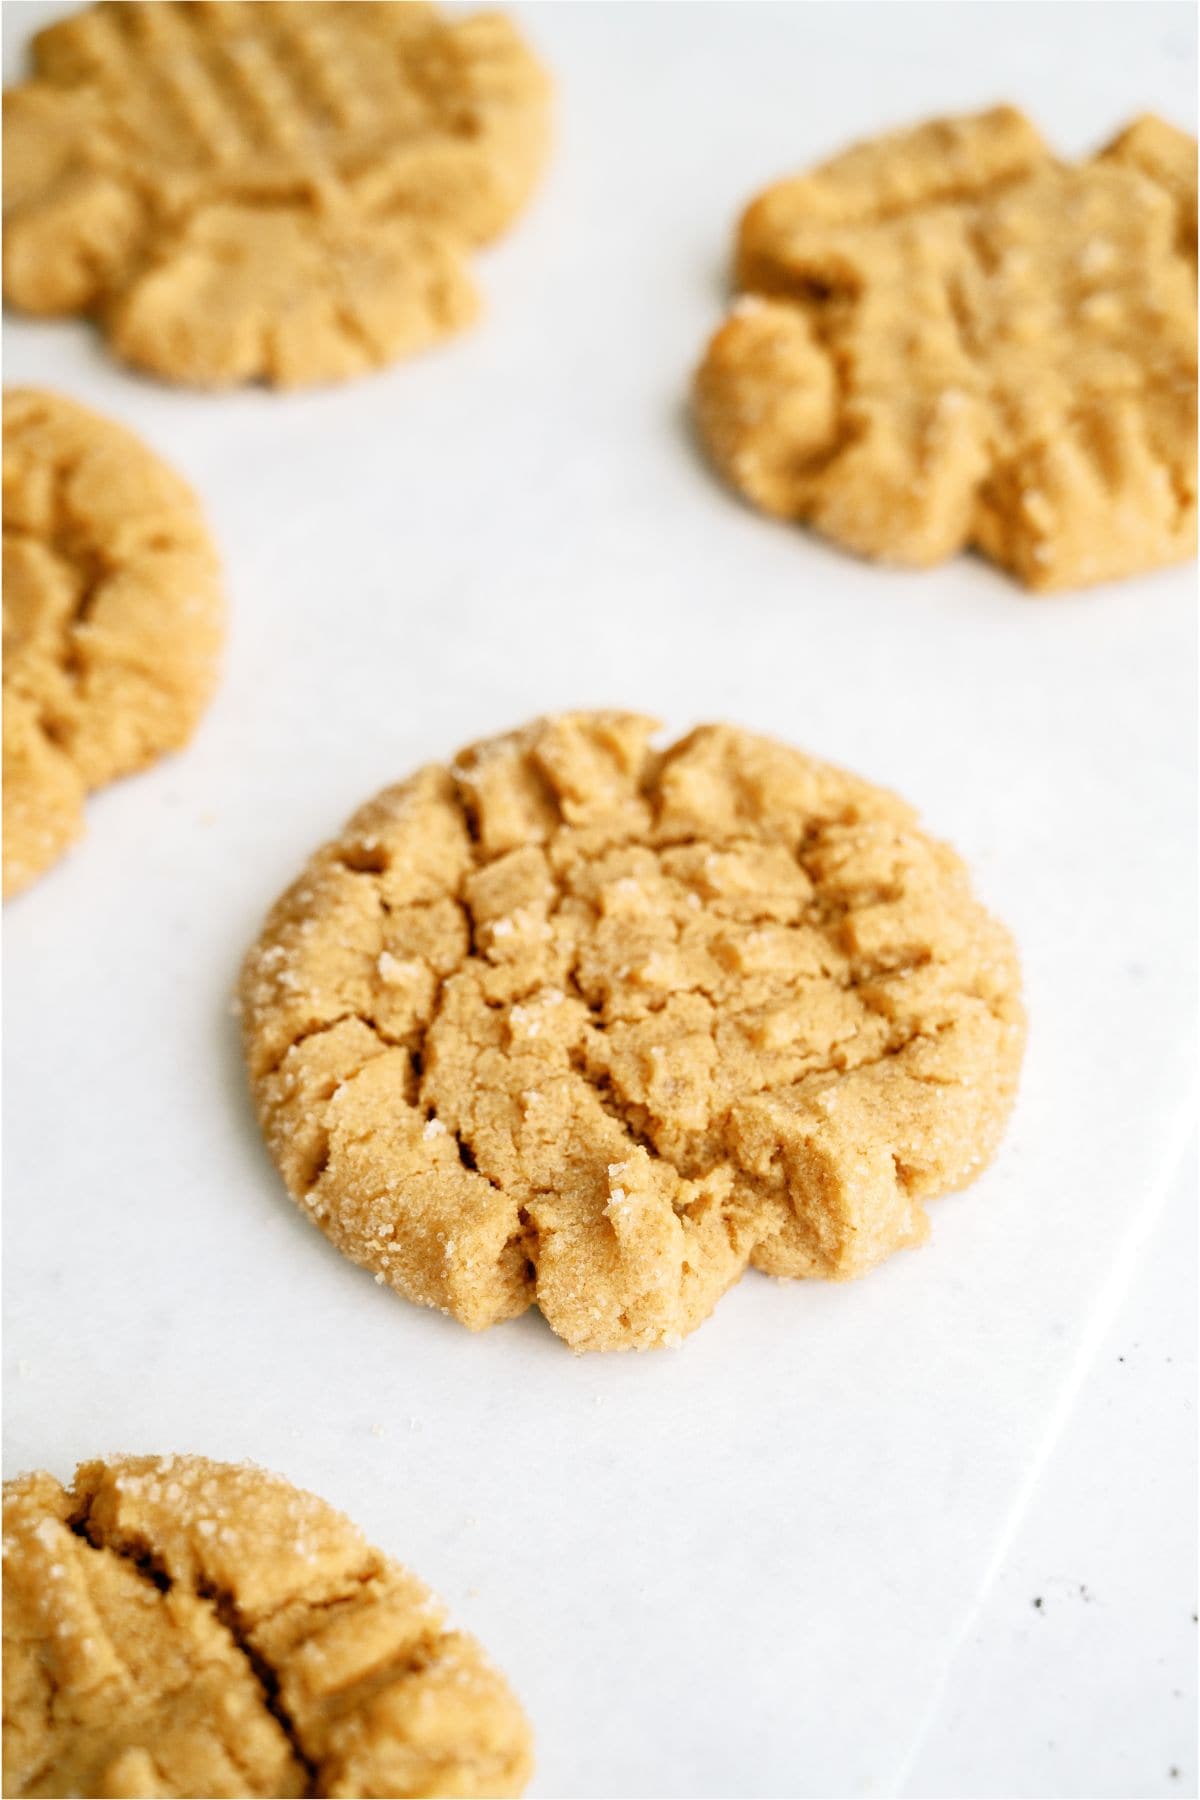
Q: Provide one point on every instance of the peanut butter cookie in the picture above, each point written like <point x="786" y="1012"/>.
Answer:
<point x="947" y="338"/>
<point x="178" y="1626"/>
<point x="586" y="1024"/>
<point x="275" y="192"/>
<point x="113" y="618"/>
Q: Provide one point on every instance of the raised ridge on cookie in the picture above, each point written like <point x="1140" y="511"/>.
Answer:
<point x="947" y="338"/>
<point x="174" y="1626"/>
<point x="281" y="192"/>
<point x="580" y="1022"/>
<point x="113" y="618"/>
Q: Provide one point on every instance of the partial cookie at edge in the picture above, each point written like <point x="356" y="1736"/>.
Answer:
<point x="113" y="618"/>
<point x="286" y="193"/>
<point x="175" y="1626"/>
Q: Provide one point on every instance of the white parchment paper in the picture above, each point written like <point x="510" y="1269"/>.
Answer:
<point x="741" y="1568"/>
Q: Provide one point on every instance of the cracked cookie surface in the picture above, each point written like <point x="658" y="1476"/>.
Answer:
<point x="113" y="618"/>
<point x="281" y="192"/>
<point x="946" y="338"/>
<point x="176" y="1626"/>
<point x="581" y="1023"/>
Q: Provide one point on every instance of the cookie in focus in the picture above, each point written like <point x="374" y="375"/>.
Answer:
<point x="580" y="1023"/>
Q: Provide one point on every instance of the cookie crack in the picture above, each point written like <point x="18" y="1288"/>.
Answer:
<point x="410" y="1660"/>
<point x="623" y="1112"/>
<point x="149" y="1566"/>
<point x="818" y="914"/>
<point x="266" y="1677"/>
<point x="322" y="1028"/>
<point x="468" y="1159"/>
<point x="81" y="1523"/>
<point x="355" y="1581"/>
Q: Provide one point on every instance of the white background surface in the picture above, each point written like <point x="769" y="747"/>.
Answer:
<point x="1093" y="1691"/>
<point x="777" y="1561"/>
